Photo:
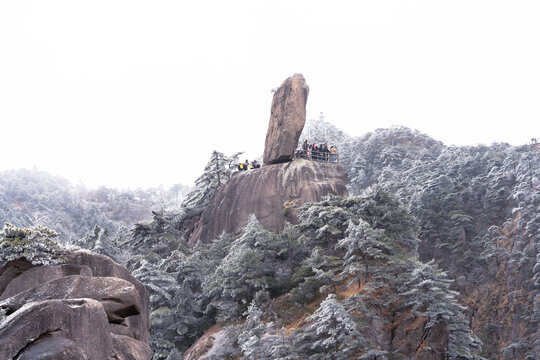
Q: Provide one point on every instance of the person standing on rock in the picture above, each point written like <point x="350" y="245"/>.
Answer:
<point x="305" y="147"/>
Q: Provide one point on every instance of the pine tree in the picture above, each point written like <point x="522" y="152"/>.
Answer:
<point x="365" y="248"/>
<point x="430" y="297"/>
<point x="242" y="272"/>
<point x="36" y="244"/>
<point x="216" y="173"/>
<point x="331" y="333"/>
<point x="325" y="267"/>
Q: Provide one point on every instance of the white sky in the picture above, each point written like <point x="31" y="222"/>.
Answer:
<point x="138" y="93"/>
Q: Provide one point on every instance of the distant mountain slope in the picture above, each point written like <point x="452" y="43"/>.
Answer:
<point x="31" y="197"/>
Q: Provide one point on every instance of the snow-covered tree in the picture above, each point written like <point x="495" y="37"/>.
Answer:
<point x="326" y="268"/>
<point x="330" y="333"/>
<point x="365" y="248"/>
<point x="35" y="244"/>
<point x="244" y="271"/>
<point x="216" y="173"/>
<point x="430" y="297"/>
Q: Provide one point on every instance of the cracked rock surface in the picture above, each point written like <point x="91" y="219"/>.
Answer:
<point x="88" y="308"/>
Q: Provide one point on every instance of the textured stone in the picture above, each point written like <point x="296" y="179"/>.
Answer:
<point x="121" y="329"/>
<point x="118" y="297"/>
<point x="82" y="321"/>
<point x="412" y="339"/>
<point x="101" y="312"/>
<point x="272" y="193"/>
<point x="287" y="119"/>
<point x="103" y="266"/>
<point x="11" y="270"/>
<point x="127" y="348"/>
<point x="52" y="348"/>
<point x="41" y="274"/>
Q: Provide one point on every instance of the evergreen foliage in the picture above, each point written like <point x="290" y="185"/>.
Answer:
<point x="472" y="209"/>
<point x="430" y="296"/>
<point x="246" y="269"/>
<point x="216" y="173"/>
<point x="30" y="197"/>
<point x="160" y="235"/>
<point x="331" y="333"/>
<point x="36" y="244"/>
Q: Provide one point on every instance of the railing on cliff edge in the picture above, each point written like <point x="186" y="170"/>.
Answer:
<point x="317" y="156"/>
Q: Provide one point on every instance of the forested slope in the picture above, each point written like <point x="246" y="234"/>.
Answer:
<point x="31" y="197"/>
<point x="435" y="255"/>
<point x="478" y="211"/>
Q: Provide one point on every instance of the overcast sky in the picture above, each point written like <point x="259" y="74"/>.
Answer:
<point x="128" y="93"/>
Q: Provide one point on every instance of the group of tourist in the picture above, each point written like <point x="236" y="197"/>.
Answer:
<point x="318" y="152"/>
<point x="246" y="165"/>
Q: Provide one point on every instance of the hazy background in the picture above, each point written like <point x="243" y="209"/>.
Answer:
<point x="138" y="93"/>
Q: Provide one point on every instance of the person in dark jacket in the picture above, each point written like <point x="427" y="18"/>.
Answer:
<point x="315" y="152"/>
<point x="325" y="152"/>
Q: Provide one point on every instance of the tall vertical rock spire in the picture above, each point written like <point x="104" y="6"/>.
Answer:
<point x="287" y="119"/>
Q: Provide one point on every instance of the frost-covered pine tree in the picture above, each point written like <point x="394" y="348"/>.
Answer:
<point x="216" y="173"/>
<point x="36" y="244"/>
<point x="325" y="267"/>
<point x="493" y="246"/>
<point x="331" y="333"/>
<point x="241" y="273"/>
<point x="430" y="297"/>
<point x="261" y="340"/>
<point x="100" y="242"/>
<point x="365" y="249"/>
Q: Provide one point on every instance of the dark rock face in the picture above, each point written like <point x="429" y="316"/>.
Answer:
<point x="41" y="275"/>
<point x="51" y="348"/>
<point x="118" y="297"/>
<point x="411" y="337"/>
<point x="272" y="193"/>
<point x="287" y="119"/>
<point x="200" y="349"/>
<point x="103" y="266"/>
<point x="81" y="321"/>
<point x="88" y="308"/>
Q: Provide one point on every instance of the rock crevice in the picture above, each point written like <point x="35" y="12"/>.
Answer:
<point x="88" y="308"/>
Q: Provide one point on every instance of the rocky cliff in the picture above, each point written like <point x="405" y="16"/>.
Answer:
<point x="87" y="307"/>
<point x="272" y="193"/>
<point x="287" y="119"/>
